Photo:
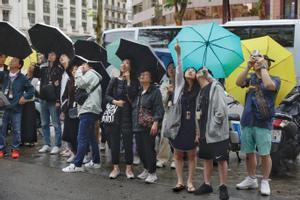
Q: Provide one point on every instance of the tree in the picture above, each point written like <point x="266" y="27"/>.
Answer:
<point x="99" y="16"/>
<point x="226" y="11"/>
<point x="262" y="9"/>
<point x="180" y="9"/>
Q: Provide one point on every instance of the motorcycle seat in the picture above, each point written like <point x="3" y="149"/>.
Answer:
<point x="291" y="99"/>
<point x="234" y="117"/>
<point x="283" y="116"/>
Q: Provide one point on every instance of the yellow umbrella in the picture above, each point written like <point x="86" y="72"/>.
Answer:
<point x="31" y="59"/>
<point x="283" y="67"/>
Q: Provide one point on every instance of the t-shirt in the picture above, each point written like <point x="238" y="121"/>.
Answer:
<point x="204" y="109"/>
<point x="251" y="115"/>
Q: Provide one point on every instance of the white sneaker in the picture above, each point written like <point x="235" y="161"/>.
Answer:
<point x="136" y="160"/>
<point x="86" y="159"/>
<point x="173" y="165"/>
<point x="144" y="174"/>
<point x="55" y="150"/>
<point x="265" y="188"/>
<point x="160" y="164"/>
<point x="44" y="149"/>
<point x="91" y="164"/>
<point x="71" y="158"/>
<point x="102" y="146"/>
<point x="247" y="183"/>
<point x="113" y="174"/>
<point x="72" y="168"/>
<point x="152" y="178"/>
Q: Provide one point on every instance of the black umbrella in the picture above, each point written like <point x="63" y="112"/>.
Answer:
<point x="47" y="38"/>
<point x="142" y="57"/>
<point x="13" y="42"/>
<point x="91" y="51"/>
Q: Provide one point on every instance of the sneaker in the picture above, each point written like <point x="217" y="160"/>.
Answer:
<point x="2" y="154"/>
<point x="136" y="160"/>
<point x="173" y="165"/>
<point x="55" y="150"/>
<point x="71" y="158"/>
<point x="44" y="149"/>
<point x="86" y="159"/>
<point x="129" y="174"/>
<point x="102" y="146"/>
<point x="265" y="188"/>
<point x="114" y="174"/>
<point x="15" y="154"/>
<point x="72" y="168"/>
<point x="66" y="153"/>
<point x="152" y="178"/>
<point x="143" y="175"/>
<point x="204" y="189"/>
<point x="160" y="164"/>
<point x="247" y="183"/>
<point x="223" y="192"/>
<point x="91" y="164"/>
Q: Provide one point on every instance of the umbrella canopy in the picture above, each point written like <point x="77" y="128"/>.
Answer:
<point x="283" y="67"/>
<point x="13" y="42"/>
<point x="112" y="58"/>
<point x="46" y="38"/>
<point x="28" y="61"/>
<point x="209" y="45"/>
<point x="91" y="51"/>
<point x="165" y="57"/>
<point x="142" y="57"/>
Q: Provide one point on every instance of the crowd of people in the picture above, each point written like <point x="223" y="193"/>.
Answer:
<point x="138" y="109"/>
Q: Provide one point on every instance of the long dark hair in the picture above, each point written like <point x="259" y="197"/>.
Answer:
<point x="133" y="74"/>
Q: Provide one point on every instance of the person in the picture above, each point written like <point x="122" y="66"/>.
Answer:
<point x="185" y="141"/>
<point x="167" y="90"/>
<point x="256" y="119"/>
<point x="121" y="91"/>
<point x="3" y="68"/>
<point x="149" y="98"/>
<point x="50" y="75"/>
<point x="71" y="125"/>
<point x="89" y="79"/>
<point x="18" y="90"/>
<point x="29" y="115"/>
<point x="213" y="130"/>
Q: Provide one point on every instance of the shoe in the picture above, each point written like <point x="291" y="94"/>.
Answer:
<point x="247" y="183"/>
<point x="15" y="154"/>
<point x="93" y="165"/>
<point x="178" y="188"/>
<point x="2" y="154"/>
<point x="204" y="189"/>
<point x="143" y="175"/>
<point x="160" y="164"/>
<point x="55" y="150"/>
<point x="114" y="174"/>
<point x="72" y="168"/>
<point x="265" y="188"/>
<point x="71" y="158"/>
<point x="102" y="146"/>
<point x="152" y="178"/>
<point x="44" y="149"/>
<point x="223" y="192"/>
<point x="136" y="160"/>
<point x="66" y="153"/>
<point x="86" y="159"/>
<point x="173" y="165"/>
<point x="129" y="174"/>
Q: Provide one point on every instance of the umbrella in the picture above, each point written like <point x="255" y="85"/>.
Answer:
<point x="209" y="45"/>
<point x="13" y="42"/>
<point x="28" y="61"/>
<point x="165" y="57"/>
<point x="283" y="67"/>
<point x="142" y="57"/>
<point x="112" y="58"/>
<point x="46" y="38"/>
<point x="91" y="51"/>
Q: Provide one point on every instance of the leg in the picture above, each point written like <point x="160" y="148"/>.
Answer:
<point x="56" y="123"/>
<point x="192" y="167"/>
<point x="16" y="124"/>
<point x="149" y="150"/>
<point x="93" y="138"/>
<point x="248" y="146"/>
<point x="251" y="164"/>
<point x="208" y="170"/>
<point x="128" y="143"/>
<point x="223" y="170"/>
<point x="179" y="166"/>
<point x="45" y="119"/>
<point x="267" y="166"/>
<point x="140" y="148"/>
<point x="114" y="137"/>
<point x="3" y="133"/>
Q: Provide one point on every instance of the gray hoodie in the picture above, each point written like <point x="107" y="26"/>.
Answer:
<point x="88" y="81"/>
<point x="217" y="127"/>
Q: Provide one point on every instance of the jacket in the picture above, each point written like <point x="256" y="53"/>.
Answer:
<point x="3" y="75"/>
<point x="217" y="127"/>
<point x="21" y="86"/>
<point x="88" y="81"/>
<point x="151" y="100"/>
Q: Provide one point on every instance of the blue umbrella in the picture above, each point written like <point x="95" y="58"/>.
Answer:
<point x="209" y="45"/>
<point x="165" y="57"/>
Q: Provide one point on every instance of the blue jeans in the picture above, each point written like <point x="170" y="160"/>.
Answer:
<point x="87" y="136"/>
<point x="48" y="109"/>
<point x="15" y="119"/>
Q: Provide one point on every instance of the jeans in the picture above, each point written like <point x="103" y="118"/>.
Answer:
<point x="15" y="119"/>
<point x="49" y="109"/>
<point x="87" y="136"/>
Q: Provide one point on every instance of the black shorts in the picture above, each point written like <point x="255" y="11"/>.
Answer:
<point x="218" y="151"/>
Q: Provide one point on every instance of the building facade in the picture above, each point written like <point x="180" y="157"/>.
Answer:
<point x="153" y="12"/>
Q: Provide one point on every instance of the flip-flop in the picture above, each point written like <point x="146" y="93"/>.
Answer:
<point x="191" y="189"/>
<point x="178" y="188"/>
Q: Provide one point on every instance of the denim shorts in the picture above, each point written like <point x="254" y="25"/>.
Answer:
<point x="256" y="139"/>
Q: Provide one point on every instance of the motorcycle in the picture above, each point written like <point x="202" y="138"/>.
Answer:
<point x="286" y="134"/>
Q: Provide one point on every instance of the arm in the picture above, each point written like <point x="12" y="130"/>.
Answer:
<point x="109" y="91"/>
<point x="179" y="79"/>
<point x="132" y="90"/>
<point x="164" y="91"/>
<point x="269" y="84"/>
<point x="29" y="90"/>
<point x="158" y="108"/>
<point x="241" y="81"/>
<point x="220" y="105"/>
<point x="82" y="80"/>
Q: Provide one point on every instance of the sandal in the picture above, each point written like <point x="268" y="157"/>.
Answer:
<point x="178" y="188"/>
<point x="191" y="189"/>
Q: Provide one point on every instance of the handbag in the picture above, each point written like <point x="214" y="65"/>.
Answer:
<point x="73" y="113"/>
<point x="145" y="117"/>
<point x="110" y="114"/>
<point x="48" y="92"/>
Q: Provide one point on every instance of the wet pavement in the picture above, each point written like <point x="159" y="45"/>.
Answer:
<point x="39" y="176"/>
